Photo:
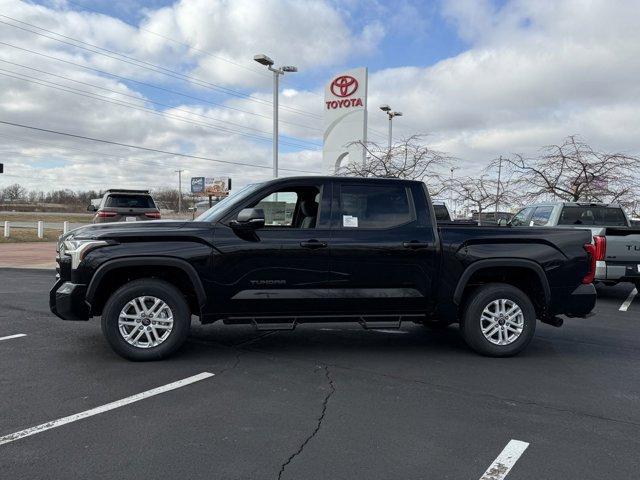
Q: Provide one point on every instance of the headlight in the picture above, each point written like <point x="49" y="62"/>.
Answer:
<point x="78" y="249"/>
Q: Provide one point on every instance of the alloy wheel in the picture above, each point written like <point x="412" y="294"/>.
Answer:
<point x="145" y="322"/>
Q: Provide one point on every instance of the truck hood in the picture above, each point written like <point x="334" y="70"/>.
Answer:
<point x="133" y="229"/>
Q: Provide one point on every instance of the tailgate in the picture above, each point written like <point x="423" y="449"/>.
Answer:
<point x="623" y="245"/>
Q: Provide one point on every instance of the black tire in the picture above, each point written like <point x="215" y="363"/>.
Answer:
<point x="470" y="322"/>
<point x="146" y="287"/>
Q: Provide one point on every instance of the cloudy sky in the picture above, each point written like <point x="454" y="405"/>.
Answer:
<point x="482" y="78"/>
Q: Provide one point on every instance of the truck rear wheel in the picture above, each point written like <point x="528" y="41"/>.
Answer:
<point x="498" y="320"/>
<point x="146" y="319"/>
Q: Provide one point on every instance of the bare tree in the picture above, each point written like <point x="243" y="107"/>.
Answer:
<point x="167" y="198"/>
<point x="477" y="192"/>
<point x="14" y="192"/>
<point x="574" y="171"/>
<point x="409" y="158"/>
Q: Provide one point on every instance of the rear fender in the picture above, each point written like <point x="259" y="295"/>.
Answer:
<point x="501" y="263"/>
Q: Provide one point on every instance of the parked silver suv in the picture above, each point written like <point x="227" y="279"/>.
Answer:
<point x="119" y="205"/>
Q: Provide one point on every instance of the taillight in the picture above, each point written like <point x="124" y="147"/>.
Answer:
<point x="155" y="215"/>
<point x="106" y="214"/>
<point x="597" y="252"/>
<point x="600" y="243"/>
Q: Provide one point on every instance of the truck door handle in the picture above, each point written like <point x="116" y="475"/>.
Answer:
<point x="313" y="243"/>
<point x="415" y="244"/>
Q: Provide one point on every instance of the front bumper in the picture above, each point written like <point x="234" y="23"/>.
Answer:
<point x="67" y="300"/>
<point x="581" y="301"/>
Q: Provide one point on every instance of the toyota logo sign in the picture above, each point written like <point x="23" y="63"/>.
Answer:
<point x="344" y="86"/>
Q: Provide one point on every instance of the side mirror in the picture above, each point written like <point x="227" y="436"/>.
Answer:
<point x="502" y="222"/>
<point x="92" y="208"/>
<point x="249" y="219"/>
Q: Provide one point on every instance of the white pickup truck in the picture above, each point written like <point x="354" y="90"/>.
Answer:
<point x="617" y="242"/>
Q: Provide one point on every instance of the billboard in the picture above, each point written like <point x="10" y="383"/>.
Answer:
<point x="211" y="186"/>
<point x="345" y="118"/>
<point x="197" y="185"/>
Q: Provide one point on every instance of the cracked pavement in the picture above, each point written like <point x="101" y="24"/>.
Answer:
<point x="323" y="401"/>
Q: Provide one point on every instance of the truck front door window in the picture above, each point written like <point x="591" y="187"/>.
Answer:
<point x="296" y="208"/>
<point x="520" y="218"/>
<point x="542" y="215"/>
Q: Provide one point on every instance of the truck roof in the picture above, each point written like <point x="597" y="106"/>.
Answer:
<point x="335" y="177"/>
<point x="124" y="190"/>
<point x="576" y="204"/>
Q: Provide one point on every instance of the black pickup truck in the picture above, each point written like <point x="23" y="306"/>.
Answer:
<point x="321" y="249"/>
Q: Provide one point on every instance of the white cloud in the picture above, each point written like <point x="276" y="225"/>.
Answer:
<point x="533" y="73"/>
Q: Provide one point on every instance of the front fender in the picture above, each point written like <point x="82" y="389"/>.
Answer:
<point x="110" y="265"/>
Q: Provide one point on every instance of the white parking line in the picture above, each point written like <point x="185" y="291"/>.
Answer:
<point x="505" y="461"/>
<point x="627" y="303"/>
<point x="12" y="437"/>
<point x="17" y="335"/>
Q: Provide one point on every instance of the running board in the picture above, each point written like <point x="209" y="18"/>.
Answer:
<point x="368" y="322"/>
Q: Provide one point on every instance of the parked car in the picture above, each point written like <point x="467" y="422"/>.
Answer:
<point x="354" y="249"/>
<point x="617" y="242"/>
<point x="118" y="205"/>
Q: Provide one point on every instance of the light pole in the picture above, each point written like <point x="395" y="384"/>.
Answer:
<point x="266" y="61"/>
<point x="179" y="172"/>
<point x="387" y="109"/>
<point x="498" y="187"/>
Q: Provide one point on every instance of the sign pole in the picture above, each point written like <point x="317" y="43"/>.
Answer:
<point x="276" y="81"/>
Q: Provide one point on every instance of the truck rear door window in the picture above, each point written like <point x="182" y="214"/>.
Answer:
<point x="593" y="215"/>
<point x="374" y="206"/>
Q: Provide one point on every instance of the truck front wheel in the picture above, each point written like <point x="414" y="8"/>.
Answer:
<point x="498" y="320"/>
<point x="146" y="319"/>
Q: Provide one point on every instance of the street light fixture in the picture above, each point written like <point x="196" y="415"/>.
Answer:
<point x="387" y="109"/>
<point x="268" y="62"/>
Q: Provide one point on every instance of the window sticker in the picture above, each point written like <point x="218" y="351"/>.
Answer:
<point x="349" y="221"/>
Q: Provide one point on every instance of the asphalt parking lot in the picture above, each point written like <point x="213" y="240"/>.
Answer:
<point x="319" y="402"/>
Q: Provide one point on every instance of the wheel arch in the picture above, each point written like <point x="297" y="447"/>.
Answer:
<point x="524" y="274"/>
<point x="111" y="275"/>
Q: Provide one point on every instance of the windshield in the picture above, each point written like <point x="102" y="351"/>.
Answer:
<point x="223" y="205"/>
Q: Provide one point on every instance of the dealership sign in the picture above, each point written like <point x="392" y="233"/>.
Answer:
<point x="211" y="186"/>
<point x="344" y="86"/>
<point x="345" y="119"/>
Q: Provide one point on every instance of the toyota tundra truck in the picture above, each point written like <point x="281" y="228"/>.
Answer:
<point x="321" y="249"/>
<point x="616" y="241"/>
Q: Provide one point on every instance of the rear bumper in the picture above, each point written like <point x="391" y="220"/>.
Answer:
<point x="581" y="301"/>
<point x="618" y="271"/>
<point x="67" y="301"/>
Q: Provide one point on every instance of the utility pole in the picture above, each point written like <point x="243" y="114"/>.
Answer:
<point x="387" y="109"/>
<point x="179" y="172"/>
<point x="267" y="62"/>
<point x="498" y="187"/>
<point x="451" y="192"/>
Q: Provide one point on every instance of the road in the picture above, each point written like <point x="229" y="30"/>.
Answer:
<point x="320" y="402"/>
